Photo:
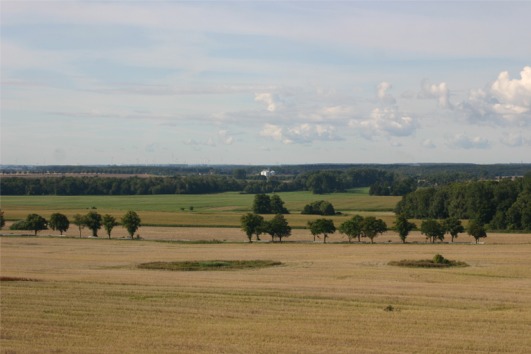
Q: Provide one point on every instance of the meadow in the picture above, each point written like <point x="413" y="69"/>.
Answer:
<point x="88" y="295"/>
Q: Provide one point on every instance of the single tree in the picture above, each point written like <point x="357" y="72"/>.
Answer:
<point x="476" y="230"/>
<point x="277" y="205"/>
<point x="131" y="221"/>
<point x="79" y="221"/>
<point x="453" y="226"/>
<point x="322" y="226"/>
<point x="93" y="221"/>
<point x="372" y="227"/>
<point x="403" y="227"/>
<point x="59" y="222"/>
<point x="109" y="222"/>
<point x="277" y="227"/>
<point x="432" y="229"/>
<point x="352" y="228"/>
<point x="2" y="220"/>
<point x="252" y="224"/>
<point x="36" y="223"/>
<point x="262" y="204"/>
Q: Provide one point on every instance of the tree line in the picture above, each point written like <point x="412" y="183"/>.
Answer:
<point x="499" y="205"/>
<point x="431" y="173"/>
<point x="92" y="220"/>
<point x="253" y="224"/>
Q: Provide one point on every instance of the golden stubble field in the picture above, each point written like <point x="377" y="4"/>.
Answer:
<point x="89" y="297"/>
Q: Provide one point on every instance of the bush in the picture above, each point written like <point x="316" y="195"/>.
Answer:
<point x="320" y="207"/>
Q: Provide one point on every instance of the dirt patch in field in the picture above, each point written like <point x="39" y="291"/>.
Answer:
<point x="7" y="278"/>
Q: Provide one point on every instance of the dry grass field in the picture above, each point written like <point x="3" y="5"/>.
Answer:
<point x="88" y="296"/>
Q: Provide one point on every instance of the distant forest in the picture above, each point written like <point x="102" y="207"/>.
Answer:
<point x="395" y="179"/>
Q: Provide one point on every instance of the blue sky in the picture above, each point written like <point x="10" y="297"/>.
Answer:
<point x="270" y="82"/>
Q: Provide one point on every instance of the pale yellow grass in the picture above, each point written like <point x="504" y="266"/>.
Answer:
<point x="323" y="299"/>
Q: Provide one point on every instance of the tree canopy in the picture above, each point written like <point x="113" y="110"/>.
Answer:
<point x="93" y="221"/>
<point x="432" y="229"/>
<point x="59" y="222"/>
<point x="321" y="227"/>
<point x="277" y="227"/>
<point x="131" y="221"/>
<point x="252" y="224"/>
<point x="372" y="227"/>
<point x="109" y="222"/>
<point x="403" y="227"/>
<point x="476" y="230"/>
<point x="352" y="227"/>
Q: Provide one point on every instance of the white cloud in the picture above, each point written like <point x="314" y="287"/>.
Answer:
<point x="439" y="92"/>
<point x="515" y="140"/>
<point x="272" y="131"/>
<point x="464" y="142"/>
<point x="505" y="101"/>
<point x="225" y="138"/>
<point x="382" y="93"/>
<point x="300" y="134"/>
<point x="386" y="121"/>
<point x="268" y="99"/>
<point x="429" y="144"/>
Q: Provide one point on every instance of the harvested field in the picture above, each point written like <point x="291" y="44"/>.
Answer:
<point x="91" y="297"/>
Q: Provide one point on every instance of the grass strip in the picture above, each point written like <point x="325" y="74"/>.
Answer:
<point x="208" y="265"/>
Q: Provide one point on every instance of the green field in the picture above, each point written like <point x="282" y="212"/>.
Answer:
<point x="223" y="209"/>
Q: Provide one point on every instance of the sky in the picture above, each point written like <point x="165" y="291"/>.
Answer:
<point x="265" y="82"/>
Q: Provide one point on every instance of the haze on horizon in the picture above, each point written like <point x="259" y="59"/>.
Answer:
<point x="139" y="82"/>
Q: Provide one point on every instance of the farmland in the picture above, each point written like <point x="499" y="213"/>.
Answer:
<point x="223" y="209"/>
<point x="71" y="294"/>
<point x="88" y="295"/>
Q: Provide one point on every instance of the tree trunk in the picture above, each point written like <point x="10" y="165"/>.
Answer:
<point x="324" y="238"/>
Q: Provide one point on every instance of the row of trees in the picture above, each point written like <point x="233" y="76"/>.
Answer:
<point x="358" y="226"/>
<point x="92" y="220"/>
<point x="500" y="205"/>
<point x="255" y="225"/>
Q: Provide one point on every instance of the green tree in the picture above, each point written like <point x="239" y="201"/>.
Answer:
<point x="94" y="222"/>
<point x="2" y="220"/>
<point x="252" y="224"/>
<point x="277" y="205"/>
<point x="277" y="227"/>
<point x="453" y="226"/>
<point x="321" y="226"/>
<point x="59" y="222"/>
<point x="432" y="229"/>
<point x="109" y="222"/>
<point x="262" y="204"/>
<point x="476" y="230"/>
<point x="36" y="223"/>
<point x="403" y="227"/>
<point x="352" y="227"/>
<point x="131" y="221"/>
<point x="372" y="227"/>
<point x="19" y="225"/>
<point x="79" y="221"/>
<point x="320" y="207"/>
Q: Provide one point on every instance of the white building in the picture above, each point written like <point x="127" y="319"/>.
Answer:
<point x="267" y="173"/>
